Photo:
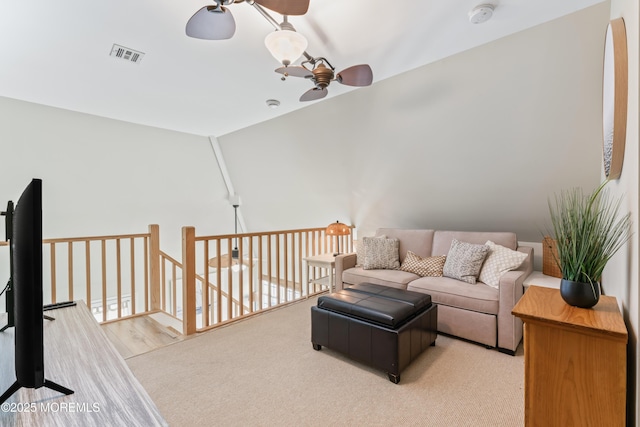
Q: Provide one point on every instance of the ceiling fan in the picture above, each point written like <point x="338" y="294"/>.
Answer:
<point x="322" y="73"/>
<point x="216" y="22"/>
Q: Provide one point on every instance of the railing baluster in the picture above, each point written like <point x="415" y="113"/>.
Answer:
<point x="87" y="255"/>
<point x="53" y="273"/>
<point x="132" y="248"/>
<point x="269" y="270"/>
<point x="300" y="238"/>
<point x="104" y="280"/>
<point x="240" y="265"/>
<point x="146" y="263"/>
<point x="154" y="265"/>
<point x="218" y="283"/>
<point x="163" y="291"/>
<point x="313" y="243"/>
<point x="229" y="280"/>
<point x="278" y="278"/>
<point x="250" y="280"/>
<point x="285" y="266"/>
<point x="174" y="289"/>
<point x="118" y="280"/>
<point x="260" y="292"/>
<point x="70" y="269"/>
<point x="206" y="310"/>
<point x="306" y="278"/>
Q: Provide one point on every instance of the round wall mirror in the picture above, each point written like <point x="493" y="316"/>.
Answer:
<point x="614" y="98"/>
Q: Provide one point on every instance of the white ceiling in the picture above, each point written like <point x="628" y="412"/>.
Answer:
<point x="57" y="53"/>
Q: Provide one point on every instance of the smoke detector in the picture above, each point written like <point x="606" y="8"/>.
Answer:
<point x="481" y="13"/>
<point x="273" y="103"/>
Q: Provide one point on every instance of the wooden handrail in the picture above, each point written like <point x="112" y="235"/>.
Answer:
<point x="266" y="233"/>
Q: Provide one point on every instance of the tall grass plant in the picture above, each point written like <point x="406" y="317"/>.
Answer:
<point x="589" y="230"/>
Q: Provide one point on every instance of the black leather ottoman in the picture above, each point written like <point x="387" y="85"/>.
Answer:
<point x="383" y="327"/>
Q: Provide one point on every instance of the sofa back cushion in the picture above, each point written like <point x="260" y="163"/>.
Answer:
<point x="442" y="239"/>
<point x="417" y="241"/>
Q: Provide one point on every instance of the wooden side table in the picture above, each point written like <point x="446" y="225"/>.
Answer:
<point x="324" y="262"/>
<point x="574" y="360"/>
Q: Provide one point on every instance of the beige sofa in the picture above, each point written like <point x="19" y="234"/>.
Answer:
<point x="476" y="312"/>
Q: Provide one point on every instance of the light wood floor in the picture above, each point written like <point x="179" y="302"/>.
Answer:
<point x="139" y="335"/>
<point x="77" y="356"/>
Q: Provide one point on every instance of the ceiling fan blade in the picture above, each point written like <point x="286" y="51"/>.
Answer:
<point x="286" y="7"/>
<point x="313" y="94"/>
<point x="211" y="23"/>
<point x="295" y="71"/>
<point x="358" y="75"/>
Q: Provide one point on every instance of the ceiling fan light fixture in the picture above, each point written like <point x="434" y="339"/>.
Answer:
<point x="211" y="23"/>
<point x="286" y="45"/>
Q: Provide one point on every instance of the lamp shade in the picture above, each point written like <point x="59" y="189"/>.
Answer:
<point x="286" y="45"/>
<point x="338" y="229"/>
<point x="211" y="23"/>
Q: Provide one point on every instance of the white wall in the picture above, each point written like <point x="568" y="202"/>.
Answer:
<point x="622" y="274"/>
<point x="104" y="177"/>
<point x="475" y="141"/>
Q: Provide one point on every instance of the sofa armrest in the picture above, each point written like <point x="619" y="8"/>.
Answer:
<point x="511" y="289"/>
<point x="343" y="262"/>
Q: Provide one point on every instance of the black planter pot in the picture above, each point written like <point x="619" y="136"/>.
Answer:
<point x="579" y="294"/>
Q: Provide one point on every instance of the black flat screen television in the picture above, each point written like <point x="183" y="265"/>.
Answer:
<point x="26" y="245"/>
<point x="26" y="270"/>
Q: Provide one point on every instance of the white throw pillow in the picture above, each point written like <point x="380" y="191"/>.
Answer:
<point x="499" y="261"/>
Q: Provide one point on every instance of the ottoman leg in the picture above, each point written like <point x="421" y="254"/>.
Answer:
<point x="394" y="378"/>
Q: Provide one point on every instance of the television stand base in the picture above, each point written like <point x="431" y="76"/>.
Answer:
<point x="48" y="384"/>
<point x="7" y="394"/>
<point x="57" y="387"/>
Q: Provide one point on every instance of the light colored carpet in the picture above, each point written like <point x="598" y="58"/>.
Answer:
<point x="263" y="371"/>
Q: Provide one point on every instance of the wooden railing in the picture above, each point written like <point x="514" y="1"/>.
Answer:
<point x="268" y="271"/>
<point x="128" y="275"/>
<point x="116" y="276"/>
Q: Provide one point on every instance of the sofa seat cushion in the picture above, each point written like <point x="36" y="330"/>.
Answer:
<point x="393" y="278"/>
<point x="455" y="293"/>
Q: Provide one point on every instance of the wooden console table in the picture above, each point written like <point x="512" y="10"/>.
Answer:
<point x="77" y="355"/>
<point x="575" y="361"/>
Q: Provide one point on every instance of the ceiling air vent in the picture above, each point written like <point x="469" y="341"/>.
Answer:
<point x="127" y="54"/>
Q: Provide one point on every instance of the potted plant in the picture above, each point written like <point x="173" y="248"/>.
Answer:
<point x="588" y="230"/>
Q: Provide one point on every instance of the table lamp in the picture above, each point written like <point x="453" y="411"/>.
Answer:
<point x="338" y="229"/>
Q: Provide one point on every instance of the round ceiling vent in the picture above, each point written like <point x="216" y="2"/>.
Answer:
<point x="481" y="13"/>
